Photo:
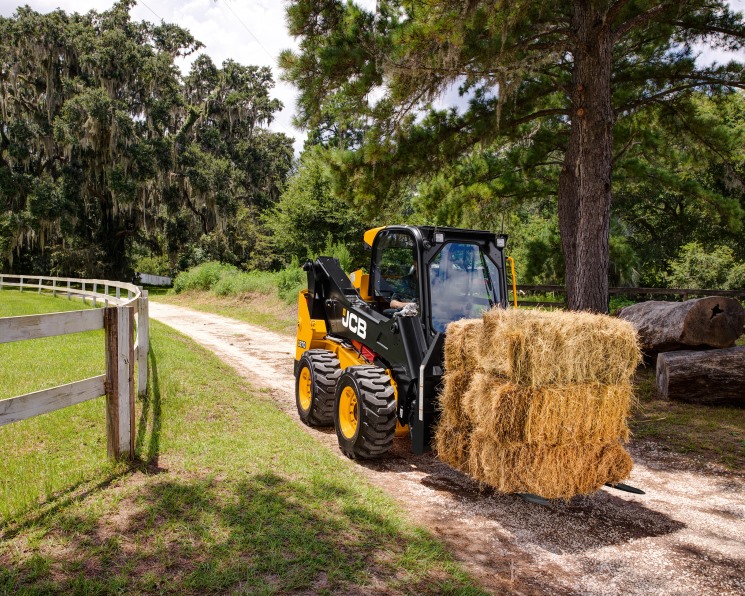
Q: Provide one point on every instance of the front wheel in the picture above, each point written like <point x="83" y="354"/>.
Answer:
<point x="365" y="412"/>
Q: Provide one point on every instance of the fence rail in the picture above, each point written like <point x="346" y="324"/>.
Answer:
<point x="682" y="292"/>
<point x="117" y="318"/>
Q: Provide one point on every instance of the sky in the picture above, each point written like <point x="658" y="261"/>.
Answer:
<point x="249" y="32"/>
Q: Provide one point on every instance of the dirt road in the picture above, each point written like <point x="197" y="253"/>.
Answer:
<point x="685" y="536"/>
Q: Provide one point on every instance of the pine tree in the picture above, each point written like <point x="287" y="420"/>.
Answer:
<point x="557" y="77"/>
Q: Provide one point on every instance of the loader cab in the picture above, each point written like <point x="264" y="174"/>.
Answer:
<point x="450" y="273"/>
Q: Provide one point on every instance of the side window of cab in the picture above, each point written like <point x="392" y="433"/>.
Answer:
<point x="395" y="256"/>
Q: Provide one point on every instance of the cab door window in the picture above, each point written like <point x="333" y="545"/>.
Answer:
<point x="394" y="267"/>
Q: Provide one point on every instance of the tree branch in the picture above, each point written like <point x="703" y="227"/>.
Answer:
<point x="641" y="19"/>
<point x="614" y="11"/>
<point x="710" y="29"/>
<point x="692" y="85"/>
<point x="539" y="114"/>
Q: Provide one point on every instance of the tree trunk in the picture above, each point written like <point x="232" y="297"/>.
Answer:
<point x="713" y="322"/>
<point x="585" y="180"/>
<point x="711" y="377"/>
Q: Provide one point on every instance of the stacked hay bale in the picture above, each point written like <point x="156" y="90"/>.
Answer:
<point x="537" y="401"/>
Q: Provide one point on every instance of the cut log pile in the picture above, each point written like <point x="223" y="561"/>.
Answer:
<point x="709" y="377"/>
<point x="712" y="322"/>
<point x="537" y="402"/>
<point x="693" y="341"/>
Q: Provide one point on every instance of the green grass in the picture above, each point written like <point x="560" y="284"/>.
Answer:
<point x="227" y="495"/>
<point x="711" y="433"/>
<point x="62" y="448"/>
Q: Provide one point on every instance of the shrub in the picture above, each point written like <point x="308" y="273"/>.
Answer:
<point x="698" y="268"/>
<point x="154" y="265"/>
<point x="203" y="277"/>
<point x="259" y="282"/>
<point x="291" y="280"/>
<point x="736" y="278"/>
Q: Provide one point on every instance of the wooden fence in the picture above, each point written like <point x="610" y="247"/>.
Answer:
<point x="646" y="293"/>
<point x="122" y="304"/>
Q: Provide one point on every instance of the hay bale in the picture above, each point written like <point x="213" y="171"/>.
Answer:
<point x="455" y="385"/>
<point x="462" y="344"/>
<point x="534" y="347"/>
<point x="452" y="442"/>
<point x="538" y="401"/>
<point x="550" y="471"/>
<point x="552" y="414"/>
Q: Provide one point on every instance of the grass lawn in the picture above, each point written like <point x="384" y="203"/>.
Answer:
<point x="712" y="433"/>
<point x="227" y="495"/>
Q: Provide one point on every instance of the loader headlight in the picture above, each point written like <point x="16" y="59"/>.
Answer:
<point x="501" y="240"/>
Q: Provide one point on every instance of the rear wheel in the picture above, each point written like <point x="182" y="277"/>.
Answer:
<point x="365" y="412"/>
<point x="318" y="373"/>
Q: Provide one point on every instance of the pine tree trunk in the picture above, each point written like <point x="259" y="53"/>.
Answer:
<point x="585" y="181"/>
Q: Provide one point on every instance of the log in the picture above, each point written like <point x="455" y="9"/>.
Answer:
<point x="708" y="377"/>
<point x="713" y="322"/>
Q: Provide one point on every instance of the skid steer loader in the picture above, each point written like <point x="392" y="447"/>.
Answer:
<point x="369" y="352"/>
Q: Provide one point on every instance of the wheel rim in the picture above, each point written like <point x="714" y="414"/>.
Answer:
<point x="304" y="391"/>
<point x="348" y="412"/>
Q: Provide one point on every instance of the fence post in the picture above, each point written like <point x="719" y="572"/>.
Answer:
<point x="40" y="285"/>
<point x="54" y="288"/>
<point x="20" y="286"/>
<point x="143" y="343"/>
<point x="120" y="411"/>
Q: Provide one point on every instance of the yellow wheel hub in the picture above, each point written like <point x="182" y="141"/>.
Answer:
<point x="304" y="391"/>
<point x="348" y="412"/>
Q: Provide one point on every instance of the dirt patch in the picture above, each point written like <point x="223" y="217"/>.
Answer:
<point x="684" y="536"/>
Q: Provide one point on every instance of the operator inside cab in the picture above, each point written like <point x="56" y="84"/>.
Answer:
<point x="407" y="289"/>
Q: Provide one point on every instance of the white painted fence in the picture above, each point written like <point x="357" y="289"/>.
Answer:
<point x="148" y="279"/>
<point x="122" y="304"/>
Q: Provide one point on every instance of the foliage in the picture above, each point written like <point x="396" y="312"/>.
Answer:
<point x="736" y="278"/>
<point x="202" y="277"/>
<point x="669" y="192"/>
<point x="107" y="154"/>
<point x="310" y="211"/>
<point x="235" y="283"/>
<point x="290" y="281"/>
<point x="552" y="92"/>
<point x="227" y="280"/>
<point x="697" y="267"/>
<point x="154" y="265"/>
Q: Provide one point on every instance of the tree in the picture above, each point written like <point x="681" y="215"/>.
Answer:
<point x="309" y="213"/>
<point x="107" y="154"/>
<point x="548" y="84"/>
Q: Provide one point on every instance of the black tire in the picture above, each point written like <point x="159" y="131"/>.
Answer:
<point x="374" y="414"/>
<point x="315" y="386"/>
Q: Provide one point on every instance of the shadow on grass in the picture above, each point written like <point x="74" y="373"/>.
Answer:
<point x="151" y="411"/>
<point x="261" y="533"/>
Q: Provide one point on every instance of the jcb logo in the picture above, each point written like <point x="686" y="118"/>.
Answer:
<point x="356" y="325"/>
